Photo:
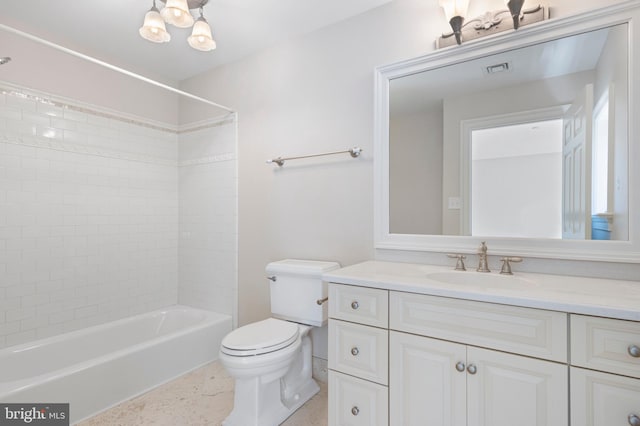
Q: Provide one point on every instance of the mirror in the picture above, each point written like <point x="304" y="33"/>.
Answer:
<point x="476" y="148"/>
<point x="522" y="139"/>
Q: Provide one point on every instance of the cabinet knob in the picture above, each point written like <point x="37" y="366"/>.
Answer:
<point x="355" y="304"/>
<point x="634" y="420"/>
<point x="634" y="351"/>
<point x="460" y="366"/>
<point x="472" y="369"/>
<point x="355" y="411"/>
<point x="355" y="351"/>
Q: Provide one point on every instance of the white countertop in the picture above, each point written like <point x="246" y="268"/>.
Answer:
<point x="589" y="296"/>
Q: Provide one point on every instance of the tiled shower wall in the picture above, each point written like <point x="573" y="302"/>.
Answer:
<point x="89" y="221"/>
<point x="208" y="217"/>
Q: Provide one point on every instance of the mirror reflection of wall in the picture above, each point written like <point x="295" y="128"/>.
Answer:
<point x="529" y="204"/>
<point x="434" y="188"/>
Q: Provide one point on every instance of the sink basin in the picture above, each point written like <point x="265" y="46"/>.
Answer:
<point x="475" y="278"/>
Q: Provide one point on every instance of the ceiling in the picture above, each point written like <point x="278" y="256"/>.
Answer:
<point x="108" y="29"/>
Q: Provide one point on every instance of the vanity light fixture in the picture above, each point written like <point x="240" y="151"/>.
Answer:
<point x="515" y="6"/>
<point x="487" y="24"/>
<point x="178" y="13"/>
<point x="455" y="12"/>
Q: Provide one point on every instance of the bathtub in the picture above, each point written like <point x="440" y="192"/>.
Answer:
<point x="97" y="367"/>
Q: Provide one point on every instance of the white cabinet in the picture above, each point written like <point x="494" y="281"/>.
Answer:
<point x="359" y="350"/>
<point x="356" y="402"/>
<point x="435" y="382"/>
<point x="405" y="359"/>
<point x="605" y="397"/>
<point x="358" y="356"/>
<point x="507" y="390"/>
<point x="450" y="356"/>
<point x="427" y="378"/>
<point x="443" y="362"/>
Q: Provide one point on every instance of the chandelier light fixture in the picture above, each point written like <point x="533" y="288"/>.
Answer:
<point x="178" y="14"/>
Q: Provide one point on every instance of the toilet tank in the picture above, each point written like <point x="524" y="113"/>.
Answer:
<point x="296" y="286"/>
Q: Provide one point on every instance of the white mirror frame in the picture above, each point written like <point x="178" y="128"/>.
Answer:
<point x="612" y="251"/>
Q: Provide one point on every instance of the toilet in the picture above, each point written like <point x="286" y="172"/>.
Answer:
<point x="270" y="360"/>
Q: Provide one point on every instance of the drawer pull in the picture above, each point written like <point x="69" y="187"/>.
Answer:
<point x="355" y="351"/>
<point x="355" y="305"/>
<point x="460" y="366"/>
<point x="472" y="369"/>
<point x="355" y="411"/>
<point x="634" y="420"/>
<point x="634" y="351"/>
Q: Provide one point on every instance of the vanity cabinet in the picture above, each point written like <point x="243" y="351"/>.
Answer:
<point x="435" y="347"/>
<point x="443" y="361"/>
<point x="450" y="382"/>
<point x="605" y="371"/>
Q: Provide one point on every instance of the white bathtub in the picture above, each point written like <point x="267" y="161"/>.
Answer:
<point x="95" y="368"/>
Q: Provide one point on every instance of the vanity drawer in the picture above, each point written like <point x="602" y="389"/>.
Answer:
<point x="359" y="304"/>
<point x="606" y="344"/>
<point x="357" y="402"/>
<point x="359" y="350"/>
<point x="531" y="332"/>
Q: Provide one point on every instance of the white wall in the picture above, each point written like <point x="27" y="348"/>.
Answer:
<point x="309" y="95"/>
<point x="415" y="172"/>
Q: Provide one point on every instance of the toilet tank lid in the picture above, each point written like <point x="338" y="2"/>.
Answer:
<point x="313" y="268"/>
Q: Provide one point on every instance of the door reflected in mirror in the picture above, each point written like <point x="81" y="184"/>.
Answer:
<point x="527" y="143"/>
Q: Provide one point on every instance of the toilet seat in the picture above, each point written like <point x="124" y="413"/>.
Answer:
<point x="260" y="338"/>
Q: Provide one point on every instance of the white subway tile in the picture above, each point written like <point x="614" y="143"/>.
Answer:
<point x="19" y="314"/>
<point x="86" y="311"/>
<point x="18" y="338"/>
<point x="34" y="323"/>
<point x="61" y="317"/>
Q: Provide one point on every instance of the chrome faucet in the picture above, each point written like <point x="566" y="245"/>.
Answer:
<point x="482" y="258"/>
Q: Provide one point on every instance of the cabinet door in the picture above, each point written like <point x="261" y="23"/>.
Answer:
<point x="508" y="390"/>
<point x="603" y="399"/>
<point x="425" y="388"/>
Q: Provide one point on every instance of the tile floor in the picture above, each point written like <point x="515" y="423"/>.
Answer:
<point x="203" y="397"/>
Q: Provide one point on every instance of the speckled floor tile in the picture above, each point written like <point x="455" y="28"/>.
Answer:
<point x="203" y="397"/>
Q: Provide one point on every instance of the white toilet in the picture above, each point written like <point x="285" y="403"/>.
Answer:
<point x="270" y="360"/>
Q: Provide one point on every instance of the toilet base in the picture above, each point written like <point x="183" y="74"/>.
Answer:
<point x="269" y="390"/>
<point x="266" y="408"/>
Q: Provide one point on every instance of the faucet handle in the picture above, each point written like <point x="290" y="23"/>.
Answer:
<point x="506" y="264"/>
<point x="459" y="262"/>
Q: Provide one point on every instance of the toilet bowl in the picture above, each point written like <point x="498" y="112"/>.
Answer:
<point x="271" y="359"/>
